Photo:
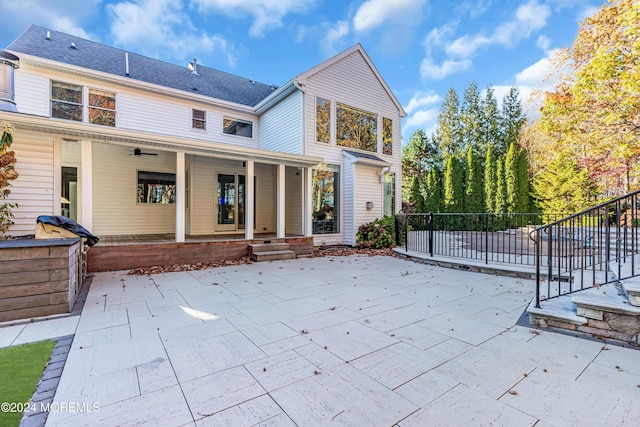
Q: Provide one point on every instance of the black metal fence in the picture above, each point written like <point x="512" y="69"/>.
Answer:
<point x="487" y="237"/>
<point x="593" y="247"/>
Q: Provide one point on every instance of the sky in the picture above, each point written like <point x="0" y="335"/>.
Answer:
<point x="421" y="48"/>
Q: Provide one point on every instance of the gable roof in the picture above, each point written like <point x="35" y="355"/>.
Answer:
<point x="95" y="56"/>
<point x="355" y="48"/>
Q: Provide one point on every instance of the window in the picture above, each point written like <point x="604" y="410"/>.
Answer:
<point x="389" y="194"/>
<point x="238" y="127"/>
<point x="325" y="198"/>
<point x="66" y="101"/>
<point x="387" y="136"/>
<point x="199" y="119"/>
<point x="355" y="128"/>
<point x="323" y="120"/>
<point x="102" y="107"/>
<point x="157" y="188"/>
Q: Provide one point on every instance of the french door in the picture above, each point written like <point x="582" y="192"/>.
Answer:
<point x="231" y="202"/>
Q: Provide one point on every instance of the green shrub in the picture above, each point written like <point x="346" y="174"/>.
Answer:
<point x="377" y="234"/>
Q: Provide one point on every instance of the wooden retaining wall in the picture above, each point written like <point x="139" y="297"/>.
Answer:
<point x="126" y="257"/>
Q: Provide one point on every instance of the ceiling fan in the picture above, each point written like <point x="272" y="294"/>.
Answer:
<point x="138" y="152"/>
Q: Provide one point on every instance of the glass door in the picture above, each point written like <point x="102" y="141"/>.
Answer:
<point x="227" y="212"/>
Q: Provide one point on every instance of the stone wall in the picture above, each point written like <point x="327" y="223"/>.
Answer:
<point x="38" y="277"/>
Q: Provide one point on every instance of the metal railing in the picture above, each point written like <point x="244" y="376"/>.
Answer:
<point x="488" y="237"/>
<point x="591" y="248"/>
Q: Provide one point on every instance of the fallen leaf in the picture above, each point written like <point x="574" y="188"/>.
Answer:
<point x="513" y="392"/>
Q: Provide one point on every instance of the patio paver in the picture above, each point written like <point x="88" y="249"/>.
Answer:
<point x="352" y="340"/>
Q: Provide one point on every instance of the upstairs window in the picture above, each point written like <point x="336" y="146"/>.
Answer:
<point x="102" y="107"/>
<point x="387" y="136"/>
<point x="323" y="120"/>
<point x="199" y="119"/>
<point x="237" y="127"/>
<point x="66" y="101"/>
<point x="355" y="128"/>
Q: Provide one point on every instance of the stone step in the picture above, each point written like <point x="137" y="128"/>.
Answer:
<point x="268" y="247"/>
<point x="596" y="302"/>
<point x="273" y="255"/>
<point x="631" y="288"/>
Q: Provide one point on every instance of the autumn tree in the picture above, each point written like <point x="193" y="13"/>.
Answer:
<point x="595" y="107"/>
<point x="563" y="188"/>
<point x="7" y="174"/>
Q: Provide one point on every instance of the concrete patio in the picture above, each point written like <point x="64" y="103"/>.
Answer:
<point x="361" y="341"/>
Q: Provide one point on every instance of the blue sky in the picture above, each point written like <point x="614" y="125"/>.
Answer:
<point x="421" y="47"/>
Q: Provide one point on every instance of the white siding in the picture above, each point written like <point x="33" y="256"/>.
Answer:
<point x="368" y="188"/>
<point x="32" y="93"/>
<point x="115" y="180"/>
<point x="135" y="109"/>
<point x="293" y="201"/>
<point x="34" y="188"/>
<point x="281" y="126"/>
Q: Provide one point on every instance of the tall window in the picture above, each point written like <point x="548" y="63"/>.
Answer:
<point x="325" y="199"/>
<point x="66" y="101"/>
<point x="323" y="120"/>
<point x="387" y="136"/>
<point x="199" y="119"/>
<point x="389" y="194"/>
<point x="237" y="127"/>
<point x="355" y="128"/>
<point x="102" y="107"/>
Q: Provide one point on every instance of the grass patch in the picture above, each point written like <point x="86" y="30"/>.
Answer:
<point x="21" y="367"/>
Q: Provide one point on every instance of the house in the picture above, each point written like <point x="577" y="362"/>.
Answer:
<point x="127" y="145"/>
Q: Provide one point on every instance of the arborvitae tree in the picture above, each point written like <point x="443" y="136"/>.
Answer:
<point x="511" y="178"/>
<point x="453" y="186"/>
<point x="416" y="197"/>
<point x="523" y="203"/>
<point x="491" y="122"/>
<point x="433" y="192"/>
<point x="501" y="188"/>
<point x="474" y="194"/>
<point x="471" y="117"/>
<point x="448" y="131"/>
<point x="512" y="118"/>
<point x="490" y="181"/>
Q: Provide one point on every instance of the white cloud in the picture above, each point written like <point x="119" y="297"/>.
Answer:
<point x="373" y="13"/>
<point x="421" y="99"/>
<point x="543" y="43"/>
<point x="17" y="15"/>
<point x="465" y="46"/>
<point x="332" y="41"/>
<point x="267" y="14"/>
<point x="152" y="27"/>
<point x="423" y="119"/>
<point x="431" y="71"/>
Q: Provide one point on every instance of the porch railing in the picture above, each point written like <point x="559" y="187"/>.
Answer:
<point x="593" y="247"/>
<point x="487" y="237"/>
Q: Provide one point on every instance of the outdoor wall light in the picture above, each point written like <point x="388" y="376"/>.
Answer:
<point x="369" y="206"/>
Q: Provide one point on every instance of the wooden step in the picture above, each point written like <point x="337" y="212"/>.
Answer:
<point x="268" y="247"/>
<point x="273" y="255"/>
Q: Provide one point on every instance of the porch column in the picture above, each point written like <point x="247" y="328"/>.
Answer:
<point x="180" y="197"/>
<point x="280" y="202"/>
<point x="248" y="200"/>
<point x="86" y="177"/>
<point x="308" y="203"/>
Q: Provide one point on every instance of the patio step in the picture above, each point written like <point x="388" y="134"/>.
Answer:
<point x="273" y="255"/>
<point x="631" y="288"/>
<point x="269" y="247"/>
